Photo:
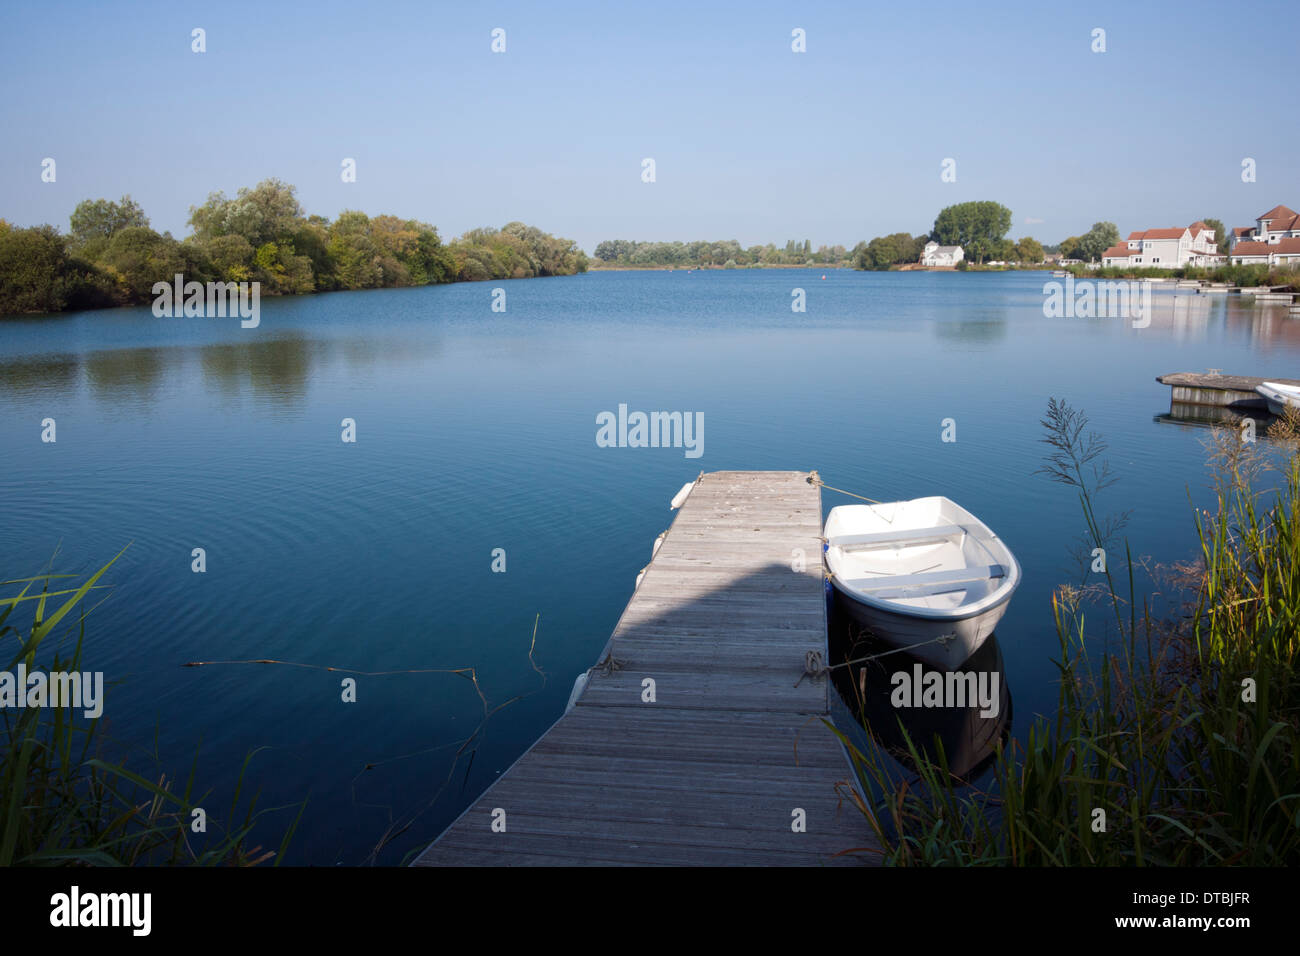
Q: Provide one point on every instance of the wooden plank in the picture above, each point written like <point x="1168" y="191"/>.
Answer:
<point x="733" y="743"/>
<point x="1236" y="383"/>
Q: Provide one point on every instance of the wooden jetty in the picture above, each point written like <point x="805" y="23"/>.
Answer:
<point x="732" y="752"/>
<point x="1213" y="388"/>
<point x="1262" y="294"/>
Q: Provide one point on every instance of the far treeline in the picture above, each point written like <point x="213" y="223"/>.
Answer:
<point x="980" y="228"/>
<point x="727" y="253"/>
<point x="112" y="257"/>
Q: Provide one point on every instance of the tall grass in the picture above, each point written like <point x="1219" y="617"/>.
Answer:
<point x="1176" y="742"/>
<point x="63" y="800"/>
<point x="1246" y="276"/>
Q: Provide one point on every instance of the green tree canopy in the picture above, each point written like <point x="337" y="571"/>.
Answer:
<point x="975" y="226"/>
<point x="515" y="251"/>
<point x="615" y="250"/>
<point x="141" y="257"/>
<point x="1029" y="250"/>
<point x="1220" y="232"/>
<point x="33" y="269"/>
<point x="1095" y="241"/>
<point x="230" y="257"/>
<point x="113" y="257"/>
<point x="102" y="218"/>
<point x="892" y="250"/>
<point x="269" y="212"/>
<point x="1003" y="250"/>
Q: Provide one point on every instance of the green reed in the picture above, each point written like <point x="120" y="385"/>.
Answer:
<point x="63" y="801"/>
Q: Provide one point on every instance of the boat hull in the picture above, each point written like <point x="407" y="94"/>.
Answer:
<point x="968" y="735"/>
<point x="921" y="636"/>
<point x="1279" y="397"/>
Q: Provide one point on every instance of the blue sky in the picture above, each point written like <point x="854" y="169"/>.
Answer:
<point x="751" y="141"/>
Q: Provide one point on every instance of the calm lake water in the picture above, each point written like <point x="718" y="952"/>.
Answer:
<point x="475" y="431"/>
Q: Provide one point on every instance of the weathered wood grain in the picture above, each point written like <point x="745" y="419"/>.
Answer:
<point x="713" y="771"/>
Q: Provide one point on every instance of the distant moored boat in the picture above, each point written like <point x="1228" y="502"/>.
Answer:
<point x="1279" y="396"/>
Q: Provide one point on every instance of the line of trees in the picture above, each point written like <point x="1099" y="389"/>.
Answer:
<point x="978" y="227"/>
<point x="111" y="256"/>
<point x="1091" y="244"/>
<point x="727" y="253"/>
<point x="883" y="252"/>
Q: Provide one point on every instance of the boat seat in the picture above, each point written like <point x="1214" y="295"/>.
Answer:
<point x="926" y="582"/>
<point x="902" y="536"/>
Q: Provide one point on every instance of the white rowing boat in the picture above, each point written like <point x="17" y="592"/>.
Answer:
<point x="924" y="574"/>
<point x="1279" y="396"/>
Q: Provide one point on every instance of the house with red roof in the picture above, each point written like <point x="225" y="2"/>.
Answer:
<point x="1173" y="248"/>
<point x="1273" y="240"/>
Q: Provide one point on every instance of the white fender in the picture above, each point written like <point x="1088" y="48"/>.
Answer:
<point x="579" y="685"/>
<point x="680" y="498"/>
<point x="659" y="543"/>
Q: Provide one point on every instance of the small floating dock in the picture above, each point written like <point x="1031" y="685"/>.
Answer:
<point x="1262" y="294"/>
<point x="1215" y="389"/>
<point x="732" y="751"/>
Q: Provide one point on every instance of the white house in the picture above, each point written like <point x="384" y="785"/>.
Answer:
<point x="1166" y="248"/>
<point x="937" y="255"/>
<point x="1278" y="223"/>
<point x="1273" y="240"/>
<point x="1275" y="252"/>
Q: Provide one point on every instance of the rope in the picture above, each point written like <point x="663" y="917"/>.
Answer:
<point x="816" y="479"/>
<point x="814" y="668"/>
<point x="943" y="639"/>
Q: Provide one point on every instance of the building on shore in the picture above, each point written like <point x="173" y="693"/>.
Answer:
<point x="1273" y="240"/>
<point x="1193" y="245"/>
<point x="936" y="255"/>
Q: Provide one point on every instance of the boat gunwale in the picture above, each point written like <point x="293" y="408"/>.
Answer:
<point x="1279" y="390"/>
<point x="995" y="598"/>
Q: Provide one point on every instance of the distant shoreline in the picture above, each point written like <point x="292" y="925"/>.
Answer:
<point x="592" y="267"/>
<point x="618" y="267"/>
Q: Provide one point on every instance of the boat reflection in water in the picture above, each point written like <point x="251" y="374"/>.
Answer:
<point x="882" y="694"/>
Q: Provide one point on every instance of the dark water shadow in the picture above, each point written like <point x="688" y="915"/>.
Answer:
<point x="869" y="689"/>
<point x="1214" y="416"/>
<point x="973" y="331"/>
<point x="35" y="374"/>
<point x="278" y="368"/>
<point x="122" y="373"/>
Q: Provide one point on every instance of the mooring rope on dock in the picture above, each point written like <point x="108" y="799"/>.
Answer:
<point x="814" y="667"/>
<point x="816" y="479"/>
